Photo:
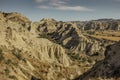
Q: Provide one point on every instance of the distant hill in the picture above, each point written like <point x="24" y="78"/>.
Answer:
<point x="100" y="24"/>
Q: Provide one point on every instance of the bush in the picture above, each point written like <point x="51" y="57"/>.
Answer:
<point x="1" y="55"/>
<point x="84" y="59"/>
<point x="1" y="58"/>
<point x="12" y="77"/>
<point x="18" y="56"/>
<point x="90" y="60"/>
<point x="7" y="71"/>
<point x="0" y="51"/>
<point x="74" y="56"/>
<point x="91" y="32"/>
<point x="96" y="54"/>
<point x="17" y="52"/>
<point x="8" y="61"/>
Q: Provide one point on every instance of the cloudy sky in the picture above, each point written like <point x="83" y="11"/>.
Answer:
<point x="66" y="10"/>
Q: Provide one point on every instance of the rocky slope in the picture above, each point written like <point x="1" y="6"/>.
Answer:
<point x="107" y="69"/>
<point x="77" y="37"/>
<point x="45" y="50"/>
<point x="69" y="36"/>
<point x="24" y="55"/>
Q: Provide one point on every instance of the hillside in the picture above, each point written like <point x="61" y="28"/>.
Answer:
<point x="107" y="69"/>
<point x="48" y="49"/>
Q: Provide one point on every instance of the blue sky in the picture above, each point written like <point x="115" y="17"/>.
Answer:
<point x="65" y="10"/>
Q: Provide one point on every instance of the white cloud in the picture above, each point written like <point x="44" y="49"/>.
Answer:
<point x="61" y="5"/>
<point x="71" y="8"/>
<point x="75" y="8"/>
<point x="51" y="1"/>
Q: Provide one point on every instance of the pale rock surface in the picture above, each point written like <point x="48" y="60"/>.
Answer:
<point x="25" y="54"/>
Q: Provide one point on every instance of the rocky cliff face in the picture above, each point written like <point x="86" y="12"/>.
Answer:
<point x="107" y="69"/>
<point x="69" y="36"/>
<point x="23" y="54"/>
<point x="45" y="26"/>
<point x="45" y="50"/>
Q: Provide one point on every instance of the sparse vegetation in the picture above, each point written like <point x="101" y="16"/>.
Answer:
<point x="17" y="53"/>
<point x="90" y="60"/>
<point x="7" y="71"/>
<point x="91" y="32"/>
<point x="84" y="59"/>
<point x="96" y="54"/>
<point x="0" y="51"/>
<point x="13" y="77"/>
<point x="8" y="61"/>
<point x="1" y="55"/>
<point x="25" y="55"/>
<point x="74" y="56"/>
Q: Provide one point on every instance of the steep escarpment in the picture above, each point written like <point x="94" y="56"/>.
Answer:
<point x="109" y="68"/>
<point x="25" y="56"/>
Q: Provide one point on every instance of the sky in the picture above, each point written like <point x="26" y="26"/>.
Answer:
<point x="63" y="10"/>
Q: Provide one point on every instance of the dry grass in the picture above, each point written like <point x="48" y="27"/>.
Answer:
<point x="106" y="37"/>
<point x="108" y="33"/>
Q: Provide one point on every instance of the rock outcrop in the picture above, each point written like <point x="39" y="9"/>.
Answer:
<point x="69" y="36"/>
<point x="46" y="26"/>
<point x="107" y="69"/>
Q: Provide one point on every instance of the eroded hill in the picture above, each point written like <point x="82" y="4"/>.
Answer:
<point x="46" y="50"/>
